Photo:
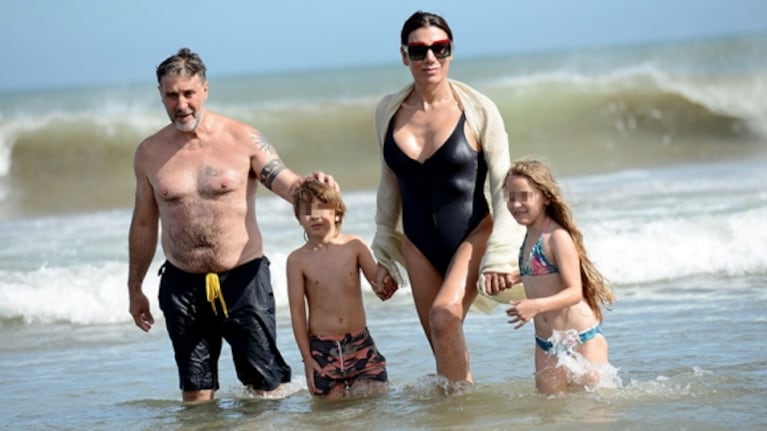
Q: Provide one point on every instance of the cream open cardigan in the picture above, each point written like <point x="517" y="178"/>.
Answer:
<point x="486" y="122"/>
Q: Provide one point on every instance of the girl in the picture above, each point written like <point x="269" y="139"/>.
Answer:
<point x="564" y="290"/>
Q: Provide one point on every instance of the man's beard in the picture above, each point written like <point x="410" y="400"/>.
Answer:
<point x="190" y="125"/>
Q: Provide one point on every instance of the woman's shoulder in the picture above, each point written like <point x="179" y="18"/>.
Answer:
<point x="478" y="107"/>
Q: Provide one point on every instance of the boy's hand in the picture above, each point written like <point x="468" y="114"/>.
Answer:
<point x="384" y="285"/>
<point x="311" y="367"/>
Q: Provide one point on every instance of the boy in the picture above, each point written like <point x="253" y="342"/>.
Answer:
<point x="339" y="355"/>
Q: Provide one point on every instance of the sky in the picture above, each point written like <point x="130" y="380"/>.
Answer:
<point x="71" y="43"/>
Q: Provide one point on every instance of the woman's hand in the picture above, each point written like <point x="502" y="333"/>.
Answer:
<point x="495" y="282"/>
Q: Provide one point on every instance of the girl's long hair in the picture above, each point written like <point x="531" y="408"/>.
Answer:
<point x="596" y="291"/>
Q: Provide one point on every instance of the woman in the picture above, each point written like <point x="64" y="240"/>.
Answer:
<point x="441" y="141"/>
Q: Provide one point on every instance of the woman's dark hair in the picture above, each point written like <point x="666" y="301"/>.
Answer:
<point x="424" y="19"/>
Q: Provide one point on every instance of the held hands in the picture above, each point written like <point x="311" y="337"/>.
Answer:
<point x="384" y="285"/>
<point x="139" y="309"/>
<point x="521" y="312"/>
<point x="495" y="282"/>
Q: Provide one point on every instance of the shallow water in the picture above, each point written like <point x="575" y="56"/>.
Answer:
<point x="678" y="367"/>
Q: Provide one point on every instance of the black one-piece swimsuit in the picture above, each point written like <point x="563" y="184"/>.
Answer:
<point x="442" y="198"/>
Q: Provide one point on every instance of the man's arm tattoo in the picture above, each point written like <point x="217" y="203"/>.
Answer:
<point x="263" y="143"/>
<point x="270" y="171"/>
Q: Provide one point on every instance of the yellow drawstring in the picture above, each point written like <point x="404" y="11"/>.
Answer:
<point x="213" y="291"/>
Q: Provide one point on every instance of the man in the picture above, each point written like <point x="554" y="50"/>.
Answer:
<point x="196" y="179"/>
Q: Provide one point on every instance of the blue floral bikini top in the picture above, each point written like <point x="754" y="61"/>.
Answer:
<point x="536" y="264"/>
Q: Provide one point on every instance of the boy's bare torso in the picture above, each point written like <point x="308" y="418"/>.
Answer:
<point x="332" y="285"/>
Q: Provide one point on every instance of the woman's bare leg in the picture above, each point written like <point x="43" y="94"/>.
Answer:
<point x="442" y="304"/>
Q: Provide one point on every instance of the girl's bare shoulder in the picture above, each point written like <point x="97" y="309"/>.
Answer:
<point x="559" y="238"/>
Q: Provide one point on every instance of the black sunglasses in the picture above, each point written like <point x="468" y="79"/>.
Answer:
<point x="416" y="51"/>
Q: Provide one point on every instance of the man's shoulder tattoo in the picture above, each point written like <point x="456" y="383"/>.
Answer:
<point x="261" y="141"/>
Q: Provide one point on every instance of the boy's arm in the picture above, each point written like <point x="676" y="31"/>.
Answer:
<point x="378" y="276"/>
<point x="298" y="318"/>
<point x="367" y="261"/>
<point x="298" y="315"/>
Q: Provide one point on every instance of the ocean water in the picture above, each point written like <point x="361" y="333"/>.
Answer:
<point x="661" y="150"/>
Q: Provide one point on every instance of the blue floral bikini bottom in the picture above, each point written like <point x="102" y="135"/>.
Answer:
<point x="565" y="341"/>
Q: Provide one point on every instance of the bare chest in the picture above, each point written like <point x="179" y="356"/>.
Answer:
<point x="201" y="177"/>
<point x="325" y="270"/>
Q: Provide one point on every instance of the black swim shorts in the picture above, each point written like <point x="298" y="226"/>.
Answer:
<point x="196" y="330"/>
